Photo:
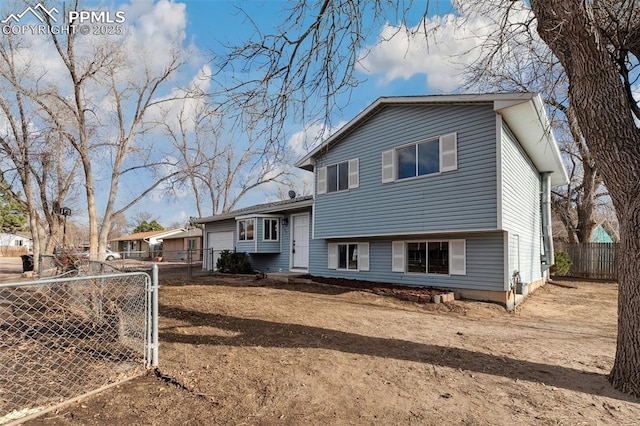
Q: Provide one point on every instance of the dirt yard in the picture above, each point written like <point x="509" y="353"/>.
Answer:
<point x="258" y="352"/>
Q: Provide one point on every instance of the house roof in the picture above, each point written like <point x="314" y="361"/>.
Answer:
<point x="195" y="232"/>
<point x="524" y="113"/>
<point x="149" y="234"/>
<point x="275" y="207"/>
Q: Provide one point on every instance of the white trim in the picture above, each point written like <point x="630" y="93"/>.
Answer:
<point x="313" y="220"/>
<point x="259" y="215"/>
<point x="505" y="260"/>
<point x="255" y="231"/>
<point x="354" y="174"/>
<point x="278" y="229"/>
<point x="499" y="171"/>
<point x="453" y="246"/>
<point x="363" y="256"/>
<point x="291" y="230"/>
<point x="322" y="180"/>
<point x="332" y="255"/>
<point x="449" y="152"/>
<point x="398" y="263"/>
<point x="389" y="166"/>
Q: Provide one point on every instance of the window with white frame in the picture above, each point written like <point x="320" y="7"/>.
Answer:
<point x="429" y="257"/>
<point x="418" y="159"/>
<point x="348" y="256"/>
<point x="270" y="230"/>
<point x="245" y="230"/>
<point x="191" y="244"/>
<point x="338" y="177"/>
<point x="422" y="158"/>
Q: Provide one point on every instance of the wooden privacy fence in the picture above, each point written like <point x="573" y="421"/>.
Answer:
<point x="592" y="260"/>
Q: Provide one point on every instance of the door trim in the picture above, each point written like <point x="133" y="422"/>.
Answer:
<point x="292" y="234"/>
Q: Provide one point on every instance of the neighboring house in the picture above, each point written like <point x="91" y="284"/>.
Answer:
<point x="142" y="244"/>
<point x="449" y="191"/>
<point x="604" y="233"/>
<point x="177" y="247"/>
<point x="18" y="239"/>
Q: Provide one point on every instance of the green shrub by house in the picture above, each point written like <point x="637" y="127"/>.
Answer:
<point x="231" y="262"/>
<point x="562" y="263"/>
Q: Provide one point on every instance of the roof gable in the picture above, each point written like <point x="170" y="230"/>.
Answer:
<point x="524" y="113"/>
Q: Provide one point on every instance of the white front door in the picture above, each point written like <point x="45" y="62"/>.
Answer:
<point x="300" y="242"/>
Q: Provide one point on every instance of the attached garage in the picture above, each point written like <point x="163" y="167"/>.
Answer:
<point x="216" y="242"/>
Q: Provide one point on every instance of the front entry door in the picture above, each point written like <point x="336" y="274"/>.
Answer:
<point x="300" y="242"/>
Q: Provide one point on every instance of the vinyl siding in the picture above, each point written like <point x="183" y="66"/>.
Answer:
<point x="222" y="226"/>
<point x="464" y="199"/>
<point x="274" y="262"/>
<point x="272" y="256"/>
<point x="520" y="209"/>
<point x="484" y="264"/>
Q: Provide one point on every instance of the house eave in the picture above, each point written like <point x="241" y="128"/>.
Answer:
<point x="262" y="209"/>
<point x="530" y="124"/>
<point x="524" y="112"/>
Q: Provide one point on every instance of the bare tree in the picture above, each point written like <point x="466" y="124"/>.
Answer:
<point x="38" y="159"/>
<point x="597" y="44"/>
<point x="100" y="72"/>
<point x="520" y="61"/>
<point x="313" y="55"/>
<point x="219" y="166"/>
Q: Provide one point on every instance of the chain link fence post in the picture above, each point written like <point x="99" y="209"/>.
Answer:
<point x="154" y="309"/>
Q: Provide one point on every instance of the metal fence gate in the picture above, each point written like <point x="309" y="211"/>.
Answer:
<point x="63" y="338"/>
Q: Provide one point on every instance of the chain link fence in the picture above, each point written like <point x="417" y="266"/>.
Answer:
<point x="65" y="337"/>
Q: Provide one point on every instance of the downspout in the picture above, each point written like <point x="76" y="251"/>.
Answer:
<point x="547" y="236"/>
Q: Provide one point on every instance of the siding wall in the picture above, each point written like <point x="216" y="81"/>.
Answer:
<point x="463" y="199"/>
<point x="520" y="209"/>
<point x="484" y="254"/>
<point x="221" y="226"/>
<point x="278" y="261"/>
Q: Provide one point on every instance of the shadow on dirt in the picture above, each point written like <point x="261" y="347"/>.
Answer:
<point x="253" y="332"/>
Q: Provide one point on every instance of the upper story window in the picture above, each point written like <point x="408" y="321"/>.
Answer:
<point x="245" y="230"/>
<point x="270" y="230"/>
<point x="338" y="177"/>
<point x="422" y="158"/>
<point x="418" y="159"/>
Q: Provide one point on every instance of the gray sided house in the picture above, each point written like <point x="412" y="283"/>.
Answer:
<point x="449" y="191"/>
<point x="276" y="236"/>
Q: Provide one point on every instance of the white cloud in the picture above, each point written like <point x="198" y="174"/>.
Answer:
<point x="440" y="47"/>
<point x="183" y="104"/>
<point x="304" y="141"/>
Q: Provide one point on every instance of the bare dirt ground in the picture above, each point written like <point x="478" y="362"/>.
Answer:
<point x="239" y="351"/>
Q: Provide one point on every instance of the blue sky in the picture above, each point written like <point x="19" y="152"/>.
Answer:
<point x="212" y="23"/>
<point x="397" y="66"/>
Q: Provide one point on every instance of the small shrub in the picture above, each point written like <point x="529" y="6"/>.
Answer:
<point x="231" y="262"/>
<point x="562" y="263"/>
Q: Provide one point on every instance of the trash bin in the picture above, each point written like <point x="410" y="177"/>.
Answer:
<point x="27" y="262"/>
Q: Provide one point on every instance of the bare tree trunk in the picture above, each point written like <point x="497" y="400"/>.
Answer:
<point x="605" y="116"/>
